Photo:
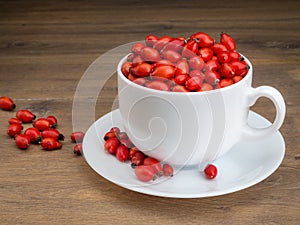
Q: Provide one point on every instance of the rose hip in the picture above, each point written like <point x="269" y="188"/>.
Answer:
<point x="14" y="129"/>
<point x="181" y="79"/>
<point x="161" y="42"/>
<point x="190" y="49"/>
<point x="206" y="54"/>
<point x="142" y="70"/>
<point x="137" y="48"/>
<point x="153" y="163"/>
<point x="150" y="54"/>
<point x="218" y="47"/>
<point x="168" y="170"/>
<point x="122" y="153"/>
<point x="22" y="141"/>
<point x="203" y="39"/>
<point x="237" y="78"/>
<point x="126" y="68"/>
<point x="52" y="133"/>
<point x="210" y="171"/>
<point x="223" y="57"/>
<point x="42" y="124"/>
<point x="212" y="65"/>
<point x="158" y="85"/>
<point x="33" y="134"/>
<point x="227" y="70"/>
<point x="179" y="88"/>
<point x="52" y="120"/>
<point x="228" y="41"/>
<point x="25" y="116"/>
<point x="206" y="87"/>
<point x="78" y="149"/>
<point x="225" y="82"/>
<point x="137" y="159"/>
<point x="111" y="145"/>
<point x="182" y="67"/>
<point x="7" y="103"/>
<point x="77" y="136"/>
<point x="171" y="56"/>
<point x="212" y="77"/>
<point x="50" y="144"/>
<point x="145" y="173"/>
<point x="167" y="72"/>
<point x="196" y="63"/>
<point x="14" y="121"/>
<point x="193" y="83"/>
<point x="150" y="40"/>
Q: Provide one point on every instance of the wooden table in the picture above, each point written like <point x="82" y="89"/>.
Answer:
<point x="46" y="46"/>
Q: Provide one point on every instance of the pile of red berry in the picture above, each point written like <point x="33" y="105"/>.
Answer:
<point x="43" y="130"/>
<point x="193" y="64"/>
<point x="146" y="168"/>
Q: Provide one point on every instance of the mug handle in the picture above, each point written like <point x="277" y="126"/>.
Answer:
<point x="277" y="99"/>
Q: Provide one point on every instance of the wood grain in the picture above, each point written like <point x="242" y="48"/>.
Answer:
<point x="45" y="48"/>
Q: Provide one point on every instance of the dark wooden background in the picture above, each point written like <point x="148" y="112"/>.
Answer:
<point x="46" y="46"/>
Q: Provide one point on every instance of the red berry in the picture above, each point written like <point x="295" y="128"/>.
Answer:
<point x="137" y="159"/>
<point x="235" y="56"/>
<point x="50" y="144"/>
<point x="137" y="48"/>
<point x="210" y="171"/>
<point x="25" y="116"/>
<point x="122" y="153"/>
<point x="228" y="41"/>
<point x="182" y="67"/>
<point x="52" y="120"/>
<point x="7" y="103"/>
<point x="227" y="70"/>
<point x="150" y="40"/>
<point x="237" y="78"/>
<point x="53" y="133"/>
<point x="193" y="83"/>
<point x="78" y="149"/>
<point x="126" y="68"/>
<point x="132" y="152"/>
<point x="161" y="42"/>
<point x="140" y="81"/>
<point x="212" y="65"/>
<point x="212" y="77"/>
<point x="34" y="134"/>
<point x="206" y="87"/>
<point x="150" y="54"/>
<point x="206" y="54"/>
<point x="154" y="163"/>
<point x="190" y="49"/>
<point x="14" y="129"/>
<point x="239" y="67"/>
<point x="203" y="39"/>
<point x="175" y="45"/>
<point x="171" y="56"/>
<point x="223" y="57"/>
<point x="158" y="85"/>
<point x="111" y="145"/>
<point x="218" y="47"/>
<point x="225" y="82"/>
<point x="145" y="173"/>
<point x="181" y="79"/>
<point x="42" y="124"/>
<point x="196" y="63"/>
<point x="77" y="136"/>
<point x="179" y="88"/>
<point x="142" y="70"/>
<point x="14" y="121"/>
<point x="168" y="170"/>
<point x="22" y="141"/>
<point x="167" y="72"/>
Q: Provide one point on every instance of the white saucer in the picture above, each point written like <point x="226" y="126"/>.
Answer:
<point x="248" y="163"/>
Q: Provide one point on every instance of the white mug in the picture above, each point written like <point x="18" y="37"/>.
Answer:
<point x="190" y="128"/>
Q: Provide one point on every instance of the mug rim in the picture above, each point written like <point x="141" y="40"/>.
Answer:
<point x="247" y="76"/>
